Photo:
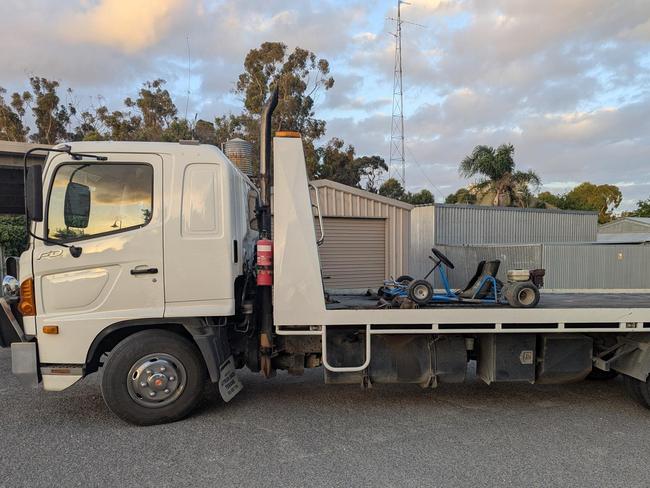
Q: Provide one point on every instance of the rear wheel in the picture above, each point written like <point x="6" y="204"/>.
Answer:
<point x="153" y="377"/>
<point x="638" y="390"/>
<point x="420" y="291"/>
<point x="600" y="375"/>
<point x="523" y="295"/>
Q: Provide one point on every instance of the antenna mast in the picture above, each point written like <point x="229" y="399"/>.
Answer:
<point x="396" y="163"/>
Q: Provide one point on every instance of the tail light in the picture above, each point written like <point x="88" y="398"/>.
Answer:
<point x="27" y="304"/>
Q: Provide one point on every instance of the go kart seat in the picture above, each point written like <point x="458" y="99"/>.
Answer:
<point x="477" y="275"/>
<point x="485" y="268"/>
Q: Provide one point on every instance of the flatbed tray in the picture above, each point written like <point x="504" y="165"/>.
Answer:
<point x="547" y="301"/>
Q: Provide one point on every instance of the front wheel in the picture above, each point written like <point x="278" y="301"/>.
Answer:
<point x="153" y="377"/>
<point x="420" y="291"/>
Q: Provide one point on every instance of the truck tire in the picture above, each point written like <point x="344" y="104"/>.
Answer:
<point x="638" y="390"/>
<point x="600" y="375"/>
<point x="420" y="291"/>
<point x="153" y="377"/>
<point x="522" y="295"/>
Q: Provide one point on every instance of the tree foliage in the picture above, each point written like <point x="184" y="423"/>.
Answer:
<point x="11" y="117"/>
<point x="642" y="209"/>
<point x="499" y="183"/>
<point x="51" y="117"/>
<point x="462" y="195"/>
<point x="13" y="237"/>
<point x="392" y="188"/>
<point x="337" y="162"/>
<point x="603" y="199"/>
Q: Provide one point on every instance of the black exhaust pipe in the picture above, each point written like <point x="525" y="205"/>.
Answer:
<point x="265" y="164"/>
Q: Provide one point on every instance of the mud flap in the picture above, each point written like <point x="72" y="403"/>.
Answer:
<point x="229" y="383"/>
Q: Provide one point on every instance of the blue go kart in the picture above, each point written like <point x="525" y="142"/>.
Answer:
<point x="522" y="291"/>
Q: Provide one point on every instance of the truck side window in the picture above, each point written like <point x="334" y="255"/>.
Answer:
<point x="88" y="200"/>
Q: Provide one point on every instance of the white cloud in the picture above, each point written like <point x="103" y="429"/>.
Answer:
<point x="127" y="25"/>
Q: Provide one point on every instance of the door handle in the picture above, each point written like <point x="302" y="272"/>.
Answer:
<point x="140" y="271"/>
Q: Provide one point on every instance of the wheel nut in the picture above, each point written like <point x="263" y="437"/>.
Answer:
<point x="148" y="371"/>
<point x="152" y="393"/>
<point x="143" y="384"/>
<point x="163" y="369"/>
<point x="171" y="378"/>
<point x="166" y="390"/>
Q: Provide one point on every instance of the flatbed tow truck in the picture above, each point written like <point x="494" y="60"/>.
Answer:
<point x="154" y="261"/>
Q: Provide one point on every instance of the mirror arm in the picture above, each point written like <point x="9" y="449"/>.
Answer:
<point x="75" y="251"/>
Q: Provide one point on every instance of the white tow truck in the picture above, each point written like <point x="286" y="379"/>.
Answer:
<point x="154" y="261"/>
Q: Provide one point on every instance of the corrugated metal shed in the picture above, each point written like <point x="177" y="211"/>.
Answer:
<point x="474" y="224"/>
<point x="626" y="225"/>
<point x="342" y="201"/>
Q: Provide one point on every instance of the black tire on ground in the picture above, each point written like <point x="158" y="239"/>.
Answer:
<point x="600" y="375"/>
<point x="404" y="279"/>
<point x="523" y="295"/>
<point x="638" y="390"/>
<point x="420" y="291"/>
<point x="153" y="377"/>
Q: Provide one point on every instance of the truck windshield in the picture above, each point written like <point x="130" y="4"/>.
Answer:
<point x="88" y="200"/>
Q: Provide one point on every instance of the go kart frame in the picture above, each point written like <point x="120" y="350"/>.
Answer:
<point x="484" y="288"/>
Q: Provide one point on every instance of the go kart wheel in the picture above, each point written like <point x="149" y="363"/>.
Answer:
<point x="523" y="295"/>
<point x="420" y="291"/>
<point x="404" y="279"/>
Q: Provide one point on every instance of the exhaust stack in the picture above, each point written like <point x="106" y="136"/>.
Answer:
<point x="265" y="163"/>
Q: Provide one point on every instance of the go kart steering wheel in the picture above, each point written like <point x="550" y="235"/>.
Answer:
<point x="443" y="259"/>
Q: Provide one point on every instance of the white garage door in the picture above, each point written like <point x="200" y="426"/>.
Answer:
<point x="354" y="253"/>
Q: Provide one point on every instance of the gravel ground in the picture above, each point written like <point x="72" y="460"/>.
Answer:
<point x="291" y="431"/>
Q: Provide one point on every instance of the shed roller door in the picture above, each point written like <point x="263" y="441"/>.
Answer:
<point x="354" y="253"/>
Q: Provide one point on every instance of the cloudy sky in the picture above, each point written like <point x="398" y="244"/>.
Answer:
<point x="566" y="81"/>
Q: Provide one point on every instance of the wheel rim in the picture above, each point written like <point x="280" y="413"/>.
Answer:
<point x="420" y="292"/>
<point x="526" y="296"/>
<point x="156" y="380"/>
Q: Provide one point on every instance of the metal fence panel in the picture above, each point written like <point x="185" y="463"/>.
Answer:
<point x="604" y="266"/>
<point x="568" y="266"/>
<point x="466" y="259"/>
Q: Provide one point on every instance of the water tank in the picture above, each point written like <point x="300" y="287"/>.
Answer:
<point x="240" y="152"/>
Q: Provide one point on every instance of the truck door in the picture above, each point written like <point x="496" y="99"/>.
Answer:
<point x="112" y="210"/>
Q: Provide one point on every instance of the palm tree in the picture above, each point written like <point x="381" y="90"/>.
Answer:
<point x="500" y="184"/>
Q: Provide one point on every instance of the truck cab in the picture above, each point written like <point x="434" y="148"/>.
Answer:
<point x="163" y="231"/>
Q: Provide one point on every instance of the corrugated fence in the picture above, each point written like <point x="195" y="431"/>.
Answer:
<point x="568" y="266"/>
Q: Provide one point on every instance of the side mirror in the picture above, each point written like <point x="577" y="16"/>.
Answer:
<point x="10" y="287"/>
<point x="34" y="193"/>
<point x="76" y="207"/>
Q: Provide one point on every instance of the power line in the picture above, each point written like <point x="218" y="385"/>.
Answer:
<point x="189" y="75"/>
<point x="424" y="174"/>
